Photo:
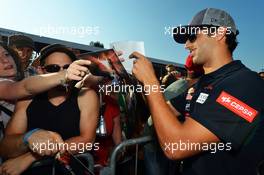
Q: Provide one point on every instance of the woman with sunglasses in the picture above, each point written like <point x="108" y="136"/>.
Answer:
<point x="36" y="84"/>
<point x="11" y="90"/>
<point x="70" y="113"/>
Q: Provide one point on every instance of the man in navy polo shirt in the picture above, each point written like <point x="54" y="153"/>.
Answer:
<point x="223" y="131"/>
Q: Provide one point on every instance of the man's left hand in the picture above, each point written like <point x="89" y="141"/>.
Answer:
<point x="143" y="69"/>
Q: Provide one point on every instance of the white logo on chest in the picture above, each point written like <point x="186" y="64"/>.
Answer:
<point x="202" y="98"/>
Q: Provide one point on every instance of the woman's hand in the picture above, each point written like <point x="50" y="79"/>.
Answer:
<point x="16" y="165"/>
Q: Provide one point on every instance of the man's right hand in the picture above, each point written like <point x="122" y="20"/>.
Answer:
<point x="45" y="143"/>
<point x="77" y="70"/>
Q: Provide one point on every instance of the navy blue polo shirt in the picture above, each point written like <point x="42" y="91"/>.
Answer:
<point x="229" y="102"/>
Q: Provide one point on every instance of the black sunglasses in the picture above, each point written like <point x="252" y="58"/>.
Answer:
<point x="192" y="37"/>
<point x="55" y="68"/>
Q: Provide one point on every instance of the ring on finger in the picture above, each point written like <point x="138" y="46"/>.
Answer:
<point x="82" y="73"/>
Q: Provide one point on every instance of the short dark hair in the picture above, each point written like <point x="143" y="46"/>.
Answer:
<point x="169" y="65"/>
<point x="231" y="38"/>
<point x="231" y="41"/>
<point x="261" y="73"/>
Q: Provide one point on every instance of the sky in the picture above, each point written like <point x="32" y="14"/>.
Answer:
<point x="82" y="21"/>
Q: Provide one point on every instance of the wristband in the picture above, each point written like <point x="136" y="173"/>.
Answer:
<point x="28" y="134"/>
<point x="64" y="82"/>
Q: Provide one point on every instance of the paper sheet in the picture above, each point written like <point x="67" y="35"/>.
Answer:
<point x="128" y="47"/>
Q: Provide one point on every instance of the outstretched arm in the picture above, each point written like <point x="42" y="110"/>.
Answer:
<point x="36" y="84"/>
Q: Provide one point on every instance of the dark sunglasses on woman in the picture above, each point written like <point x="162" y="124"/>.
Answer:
<point x="55" y="68"/>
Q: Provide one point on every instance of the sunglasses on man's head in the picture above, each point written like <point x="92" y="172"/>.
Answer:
<point x="55" y="68"/>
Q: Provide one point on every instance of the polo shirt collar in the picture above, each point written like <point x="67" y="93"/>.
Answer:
<point x="226" y="69"/>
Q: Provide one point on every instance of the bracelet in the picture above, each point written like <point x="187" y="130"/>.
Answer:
<point x="65" y="78"/>
<point x="64" y="82"/>
<point x="28" y="134"/>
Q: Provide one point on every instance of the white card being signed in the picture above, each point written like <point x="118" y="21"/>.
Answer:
<point x="127" y="48"/>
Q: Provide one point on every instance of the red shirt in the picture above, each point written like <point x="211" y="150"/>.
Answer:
<point x="106" y="143"/>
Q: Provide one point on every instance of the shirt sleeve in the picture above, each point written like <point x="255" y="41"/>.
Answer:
<point x="179" y="103"/>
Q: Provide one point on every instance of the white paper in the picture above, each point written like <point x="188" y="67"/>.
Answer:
<point x="127" y="48"/>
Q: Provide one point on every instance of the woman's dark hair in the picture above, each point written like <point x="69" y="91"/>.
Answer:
<point x="48" y="50"/>
<point x="14" y="55"/>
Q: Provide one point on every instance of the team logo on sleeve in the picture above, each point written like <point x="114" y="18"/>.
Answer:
<point x="237" y="106"/>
